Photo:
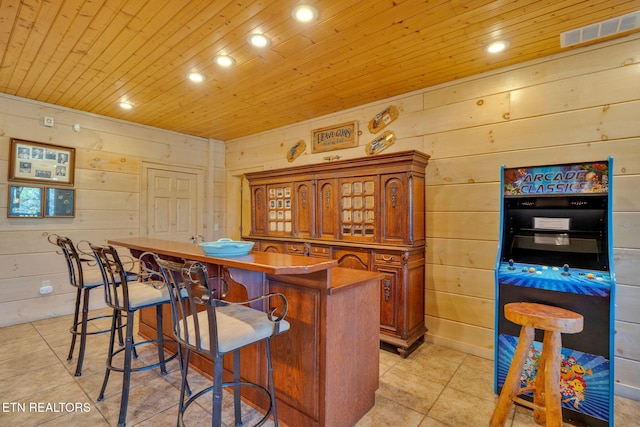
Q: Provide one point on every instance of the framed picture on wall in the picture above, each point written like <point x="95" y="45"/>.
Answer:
<point x="24" y="202"/>
<point x="59" y="202"/>
<point x="42" y="163"/>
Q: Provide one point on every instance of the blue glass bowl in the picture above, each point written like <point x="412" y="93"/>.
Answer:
<point x="226" y="247"/>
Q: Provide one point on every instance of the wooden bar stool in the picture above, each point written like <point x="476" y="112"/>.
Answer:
<point x="553" y="321"/>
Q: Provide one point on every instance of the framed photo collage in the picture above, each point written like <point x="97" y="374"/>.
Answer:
<point x="41" y="178"/>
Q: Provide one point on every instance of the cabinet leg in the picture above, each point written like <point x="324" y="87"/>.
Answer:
<point x="404" y="352"/>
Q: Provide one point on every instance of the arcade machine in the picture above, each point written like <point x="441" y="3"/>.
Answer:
<point x="556" y="248"/>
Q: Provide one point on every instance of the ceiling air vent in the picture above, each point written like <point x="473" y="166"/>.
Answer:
<point x="601" y="29"/>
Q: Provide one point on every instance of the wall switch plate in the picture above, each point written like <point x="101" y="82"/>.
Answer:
<point x="48" y="121"/>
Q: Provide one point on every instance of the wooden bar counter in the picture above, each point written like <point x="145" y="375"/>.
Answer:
<point x="326" y="367"/>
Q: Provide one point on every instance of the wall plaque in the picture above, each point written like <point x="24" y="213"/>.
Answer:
<point x="59" y="202"/>
<point x="41" y="163"/>
<point x="334" y="137"/>
<point x="381" y="143"/>
<point x="297" y="149"/>
<point x="24" y="202"/>
<point x="383" y="118"/>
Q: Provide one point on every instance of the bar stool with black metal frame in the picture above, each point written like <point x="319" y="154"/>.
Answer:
<point x="127" y="298"/>
<point x="75" y="258"/>
<point x="222" y="327"/>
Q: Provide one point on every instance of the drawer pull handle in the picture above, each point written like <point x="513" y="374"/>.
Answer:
<point x="387" y="258"/>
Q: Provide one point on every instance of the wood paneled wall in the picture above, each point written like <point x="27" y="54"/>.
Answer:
<point x="109" y="157"/>
<point x="579" y="106"/>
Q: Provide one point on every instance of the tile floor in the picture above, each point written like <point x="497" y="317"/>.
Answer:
<point x="435" y="386"/>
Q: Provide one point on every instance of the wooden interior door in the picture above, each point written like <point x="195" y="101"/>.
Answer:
<point x="172" y="204"/>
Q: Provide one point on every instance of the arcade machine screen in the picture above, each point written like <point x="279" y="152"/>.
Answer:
<point x="555" y="249"/>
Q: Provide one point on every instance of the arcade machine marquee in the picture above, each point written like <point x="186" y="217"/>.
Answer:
<point x="556" y="249"/>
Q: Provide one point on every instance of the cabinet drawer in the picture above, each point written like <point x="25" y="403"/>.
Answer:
<point x="275" y="247"/>
<point x="352" y="258"/>
<point x="297" y="248"/>
<point x="388" y="258"/>
<point x="321" y="251"/>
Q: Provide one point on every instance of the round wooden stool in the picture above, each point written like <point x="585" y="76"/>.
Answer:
<point x="553" y="321"/>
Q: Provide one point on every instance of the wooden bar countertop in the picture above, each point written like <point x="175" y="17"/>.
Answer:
<point x="265" y="262"/>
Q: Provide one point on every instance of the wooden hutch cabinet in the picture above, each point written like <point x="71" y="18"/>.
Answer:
<point x="367" y="213"/>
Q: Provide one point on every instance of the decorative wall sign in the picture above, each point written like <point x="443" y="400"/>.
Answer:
<point x="297" y="149"/>
<point x="334" y="137"/>
<point x="43" y="163"/>
<point x="59" y="202"/>
<point x="24" y="202"/>
<point x="383" y="119"/>
<point x="380" y="143"/>
<point x="591" y="177"/>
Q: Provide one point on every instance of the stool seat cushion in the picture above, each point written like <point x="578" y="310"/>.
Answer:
<point x="93" y="278"/>
<point x="544" y="317"/>
<point x="143" y="294"/>
<point x="238" y="326"/>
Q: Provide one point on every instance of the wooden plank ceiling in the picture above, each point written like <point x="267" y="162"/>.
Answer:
<point x="91" y="54"/>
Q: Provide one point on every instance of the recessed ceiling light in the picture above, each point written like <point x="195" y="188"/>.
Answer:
<point x="224" y="60"/>
<point x="304" y="13"/>
<point x="195" y="77"/>
<point x="125" y="105"/>
<point x="259" y="40"/>
<point x="497" y="46"/>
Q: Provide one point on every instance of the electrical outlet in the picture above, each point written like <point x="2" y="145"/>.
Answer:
<point x="48" y="121"/>
<point x="46" y="290"/>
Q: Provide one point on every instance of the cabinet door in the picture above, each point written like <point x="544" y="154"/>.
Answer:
<point x="259" y="209"/>
<point x="303" y="223"/>
<point x="390" y="264"/>
<point x="358" y="207"/>
<point x="395" y="209"/>
<point x="279" y="208"/>
<point x="327" y="209"/>
<point x="401" y="297"/>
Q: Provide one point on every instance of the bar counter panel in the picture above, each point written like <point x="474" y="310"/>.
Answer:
<point x="326" y="367"/>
